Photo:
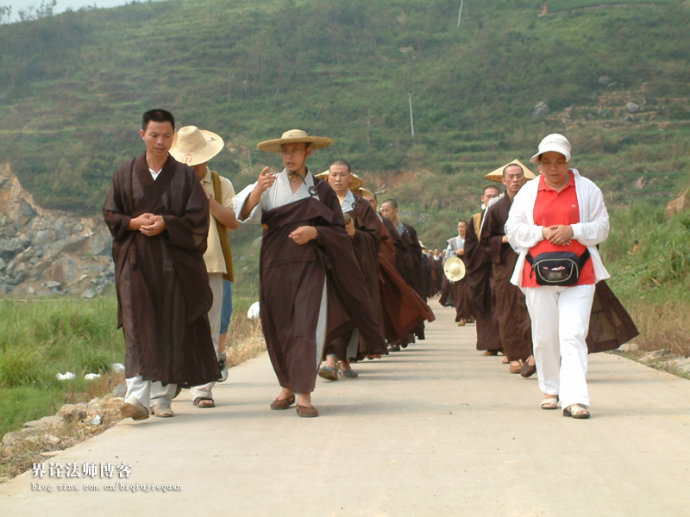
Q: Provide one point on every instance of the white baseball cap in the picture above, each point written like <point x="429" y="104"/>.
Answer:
<point x="553" y="142"/>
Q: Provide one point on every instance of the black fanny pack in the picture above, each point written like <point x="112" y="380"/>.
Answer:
<point x="557" y="267"/>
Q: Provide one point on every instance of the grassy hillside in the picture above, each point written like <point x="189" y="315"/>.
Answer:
<point x="73" y="87"/>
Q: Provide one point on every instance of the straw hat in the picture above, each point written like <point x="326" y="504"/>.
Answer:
<point x="454" y="269"/>
<point x="355" y="184"/>
<point x="193" y="146"/>
<point x="497" y="174"/>
<point x="291" y="137"/>
<point x="363" y="191"/>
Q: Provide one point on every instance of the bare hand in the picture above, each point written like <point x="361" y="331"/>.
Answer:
<point x="560" y="234"/>
<point x="460" y="252"/>
<point x="303" y="234"/>
<point x="265" y="181"/>
<point x="350" y="228"/>
<point x="155" y="227"/>
<point x="139" y="221"/>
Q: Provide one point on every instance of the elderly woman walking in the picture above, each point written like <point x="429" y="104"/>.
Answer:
<point x="556" y="223"/>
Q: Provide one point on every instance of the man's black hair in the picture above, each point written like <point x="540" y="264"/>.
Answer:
<point x="344" y="163"/>
<point x="157" y="115"/>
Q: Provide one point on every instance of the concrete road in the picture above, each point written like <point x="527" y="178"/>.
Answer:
<point x="436" y="429"/>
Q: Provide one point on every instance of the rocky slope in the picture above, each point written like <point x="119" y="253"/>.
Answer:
<point x="48" y="252"/>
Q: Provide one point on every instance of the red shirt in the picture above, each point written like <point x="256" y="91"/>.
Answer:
<point x="553" y="208"/>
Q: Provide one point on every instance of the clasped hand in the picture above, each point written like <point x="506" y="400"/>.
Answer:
<point x="148" y="224"/>
<point x="558" y="234"/>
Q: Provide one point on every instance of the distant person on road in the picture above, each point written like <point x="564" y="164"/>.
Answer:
<point x="480" y="293"/>
<point x="511" y="311"/>
<point x="403" y="309"/>
<point x="556" y="222"/>
<point x="408" y="257"/>
<point x="157" y="213"/>
<point x="362" y="227"/>
<point x="195" y="147"/>
<point x="459" y="290"/>
<point x="304" y="240"/>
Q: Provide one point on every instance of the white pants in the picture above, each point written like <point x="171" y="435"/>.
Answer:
<point x="560" y="322"/>
<point x="215" y="281"/>
<point x="149" y="393"/>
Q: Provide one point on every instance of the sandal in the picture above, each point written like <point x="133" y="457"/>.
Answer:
<point x="328" y="372"/>
<point x="576" y="411"/>
<point x="204" y="402"/>
<point x="347" y="372"/>
<point x="549" y="403"/>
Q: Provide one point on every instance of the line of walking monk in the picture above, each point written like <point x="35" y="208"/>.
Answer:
<point x="339" y="281"/>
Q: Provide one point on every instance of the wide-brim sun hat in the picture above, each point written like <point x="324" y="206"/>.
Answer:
<point x="355" y="184"/>
<point x="497" y="174"/>
<point x="193" y="146"/>
<point x="554" y="142"/>
<point x="294" y="136"/>
<point x="363" y="191"/>
<point x="454" y="269"/>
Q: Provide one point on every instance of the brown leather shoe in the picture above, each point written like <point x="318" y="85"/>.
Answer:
<point x="307" y="411"/>
<point x="528" y="369"/>
<point x="283" y="403"/>
<point x="136" y="410"/>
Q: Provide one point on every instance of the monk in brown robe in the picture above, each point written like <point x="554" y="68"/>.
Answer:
<point x="157" y="213"/>
<point x="307" y="261"/>
<point x="362" y="228"/>
<point x="459" y="290"/>
<point x="480" y="291"/>
<point x="510" y="307"/>
<point x="408" y="258"/>
<point x="403" y="309"/>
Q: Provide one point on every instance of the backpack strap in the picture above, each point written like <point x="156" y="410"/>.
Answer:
<point x="222" y="230"/>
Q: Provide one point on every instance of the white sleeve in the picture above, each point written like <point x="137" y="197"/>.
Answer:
<point x="596" y="227"/>
<point x="238" y="202"/>
<point x="521" y="231"/>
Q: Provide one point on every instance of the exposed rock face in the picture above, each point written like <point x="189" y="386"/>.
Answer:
<point x="675" y="206"/>
<point x="540" y="109"/>
<point x="49" y="251"/>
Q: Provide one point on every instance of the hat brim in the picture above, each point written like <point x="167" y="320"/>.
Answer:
<point x="497" y="174"/>
<point x="355" y="184"/>
<point x="535" y="157"/>
<point x="451" y="275"/>
<point x="214" y="145"/>
<point x="274" y="146"/>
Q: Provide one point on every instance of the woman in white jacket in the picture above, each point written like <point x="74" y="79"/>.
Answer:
<point x="559" y="212"/>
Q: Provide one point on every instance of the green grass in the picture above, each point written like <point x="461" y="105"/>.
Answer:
<point x="40" y="338"/>
<point x="43" y="337"/>
<point x="653" y="283"/>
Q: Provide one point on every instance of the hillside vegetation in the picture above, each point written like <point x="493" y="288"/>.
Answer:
<point x="613" y="74"/>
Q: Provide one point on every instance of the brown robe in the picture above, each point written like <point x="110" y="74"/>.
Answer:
<point x="291" y="285"/>
<point x="162" y="285"/>
<point x="366" y="243"/>
<point x="610" y="325"/>
<point x="408" y="259"/>
<point x="446" y="298"/>
<point x="403" y="309"/>
<point x="460" y="294"/>
<point x="480" y="291"/>
<point x="510" y="307"/>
